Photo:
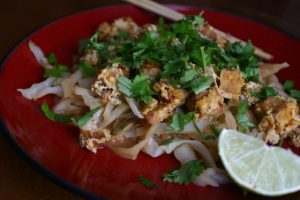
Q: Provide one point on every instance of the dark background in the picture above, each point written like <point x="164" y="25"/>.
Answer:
<point x="18" y="180"/>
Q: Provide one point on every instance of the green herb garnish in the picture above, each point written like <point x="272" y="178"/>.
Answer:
<point x="186" y="174"/>
<point x="58" y="69"/>
<point x="242" y="118"/>
<point x="82" y="120"/>
<point x="54" y="116"/>
<point x="179" y="120"/>
<point x="139" y="88"/>
<point x="147" y="183"/>
<point x="87" y="69"/>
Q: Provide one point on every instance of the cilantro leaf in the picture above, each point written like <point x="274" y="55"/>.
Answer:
<point x="200" y="84"/>
<point x="54" y="116"/>
<point x="82" y="120"/>
<point x="58" y="71"/>
<point x="288" y="85"/>
<point x="264" y="93"/>
<point x="52" y="59"/>
<point x="295" y="94"/>
<point x="87" y="69"/>
<point x="147" y="183"/>
<point x="139" y="88"/>
<point x="179" y="120"/>
<point x="124" y="85"/>
<point x="188" y="76"/>
<point x="215" y="129"/>
<point x="242" y="118"/>
<point x="186" y="174"/>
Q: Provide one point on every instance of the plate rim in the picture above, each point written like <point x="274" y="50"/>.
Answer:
<point x="57" y="180"/>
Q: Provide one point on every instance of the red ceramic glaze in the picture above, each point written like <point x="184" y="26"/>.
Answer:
<point x="54" y="146"/>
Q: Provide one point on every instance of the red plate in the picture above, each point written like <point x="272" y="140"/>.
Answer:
<point x="53" y="147"/>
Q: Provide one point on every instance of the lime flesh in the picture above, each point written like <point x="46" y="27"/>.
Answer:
<point x="266" y="170"/>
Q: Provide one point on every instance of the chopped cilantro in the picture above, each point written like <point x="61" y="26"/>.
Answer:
<point x="264" y="93"/>
<point x="288" y="85"/>
<point x="57" y="72"/>
<point x="52" y="59"/>
<point x="242" y="118"/>
<point x="139" y="88"/>
<point x="179" y="120"/>
<point x="295" y="94"/>
<point x="58" y="69"/>
<point x="87" y="69"/>
<point x="201" y="84"/>
<point x="54" y="116"/>
<point x="147" y="183"/>
<point x="215" y="129"/>
<point x="186" y="174"/>
<point x="82" y="120"/>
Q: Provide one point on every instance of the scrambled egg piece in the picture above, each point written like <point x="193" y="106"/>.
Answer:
<point x="210" y="105"/>
<point x="231" y="83"/>
<point x="247" y="92"/>
<point x="280" y="117"/>
<point x="151" y="69"/>
<point x="120" y="24"/>
<point x="150" y="107"/>
<point x="105" y="85"/>
<point x="91" y="57"/>
<point x="295" y="137"/>
<point x="94" y="140"/>
<point x="171" y="98"/>
<point x="208" y="31"/>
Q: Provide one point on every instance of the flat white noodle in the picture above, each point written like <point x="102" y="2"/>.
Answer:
<point x="133" y="105"/>
<point x="107" y="112"/>
<point x="93" y="124"/>
<point x="33" y="91"/>
<point x="184" y="153"/>
<point x="230" y="120"/>
<point x="132" y="152"/>
<point x="68" y="84"/>
<point x="152" y="149"/>
<point x="190" y="128"/>
<point x="267" y="69"/>
<point x="86" y="82"/>
<point x="39" y="55"/>
<point x="117" y="112"/>
<point x="88" y="99"/>
<point x="57" y="90"/>
<point x="65" y="106"/>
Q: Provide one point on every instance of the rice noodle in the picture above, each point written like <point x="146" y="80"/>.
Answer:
<point x="133" y="105"/>
<point x="93" y="124"/>
<point x="69" y="83"/>
<point x="132" y="152"/>
<point x="230" y="120"/>
<point x="65" y="106"/>
<point x="107" y="112"/>
<point x="117" y="112"/>
<point x="88" y="99"/>
<point x="184" y="153"/>
<point x="151" y="149"/>
<point x="39" y="55"/>
<point x="267" y="69"/>
<point x="33" y="91"/>
<point x="212" y="177"/>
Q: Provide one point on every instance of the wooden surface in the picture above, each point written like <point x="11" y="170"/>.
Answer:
<point x="18" y="180"/>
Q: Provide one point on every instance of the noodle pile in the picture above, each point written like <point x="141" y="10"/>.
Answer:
<point x="136" y="105"/>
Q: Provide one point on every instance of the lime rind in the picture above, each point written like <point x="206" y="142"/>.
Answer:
<point x="269" y="171"/>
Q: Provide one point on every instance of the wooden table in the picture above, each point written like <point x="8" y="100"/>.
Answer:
<point x="18" y="180"/>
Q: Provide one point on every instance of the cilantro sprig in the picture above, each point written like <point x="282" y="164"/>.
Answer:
<point x="288" y="86"/>
<point x="242" y="118"/>
<point x="179" y="120"/>
<point x="58" y="69"/>
<point x="186" y="174"/>
<point x="80" y="121"/>
<point x="264" y="93"/>
<point x="147" y="183"/>
<point x="138" y="88"/>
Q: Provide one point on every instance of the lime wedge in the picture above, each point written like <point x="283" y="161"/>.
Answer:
<point x="269" y="171"/>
